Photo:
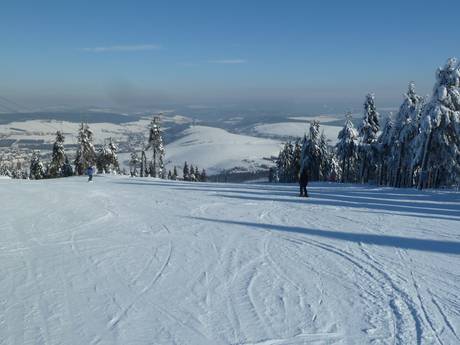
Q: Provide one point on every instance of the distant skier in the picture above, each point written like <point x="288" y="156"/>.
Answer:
<point x="303" y="182"/>
<point x="90" y="173"/>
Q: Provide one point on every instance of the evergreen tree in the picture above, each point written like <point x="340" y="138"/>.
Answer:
<point x="133" y="163"/>
<point x="86" y="154"/>
<point x="203" y="176"/>
<point x="169" y="175"/>
<point x="174" y="175"/>
<point x="185" y="172"/>
<point x="368" y="134"/>
<point x="107" y="159"/>
<point x="347" y="150"/>
<point x="58" y="156"/>
<point x="438" y="155"/>
<point x="191" y="174"/>
<point x="37" y="170"/>
<point x="384" y="147"/>
<point x="406" y="127"/>
<point x="156" y="144"/>
<point x="67" y="168"/>
<point x="311" y="153"/>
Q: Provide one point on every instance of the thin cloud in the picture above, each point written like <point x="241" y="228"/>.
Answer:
<point x="229" y="61"/>
<point x="123" y="48"/>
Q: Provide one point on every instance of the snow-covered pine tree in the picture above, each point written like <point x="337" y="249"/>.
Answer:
<point x="156" y="144"/>
<point x="284" y="163"/>
<point x="384" y="146"/>
<point x="406" y="127"/>
<point x="107" y="159"/>
<point x="67" y="168"/>
<point x="133" y="163"/>
<point x="185" y="172"/>
<point x="86" y="154"/>
<point x="296" y="161"/>
<point x="203" y="176"/>
<point x="347" y="150"/>
<point x="58" y="156"/>
<point x="438" y="156"/>
<point x="169" y="175"/>
<point x="174" y="174"/>
<point x="144" y="167"/>
<point x="311" y="153"/>
<point x="368" y="134"/>
<point x="37" y="170"/>
<point x="191" y="174"/>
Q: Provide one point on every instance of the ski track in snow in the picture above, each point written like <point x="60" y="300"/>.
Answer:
<point x="143" y="261"/>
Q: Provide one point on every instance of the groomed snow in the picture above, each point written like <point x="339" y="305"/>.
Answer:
<point x="142" y="261"/>
<point x="216" y="149"/>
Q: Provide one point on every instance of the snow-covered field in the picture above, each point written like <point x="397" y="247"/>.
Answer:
<point x="141" y="261"/>
<point x="216" y="149"/>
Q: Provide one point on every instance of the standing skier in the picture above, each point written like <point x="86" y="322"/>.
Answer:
<point x="90" y="172"/>
<point x="303" y="182"/>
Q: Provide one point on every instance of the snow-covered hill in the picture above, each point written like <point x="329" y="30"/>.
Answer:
<point x="142" y="261"/>
<point x="216" y="149"/>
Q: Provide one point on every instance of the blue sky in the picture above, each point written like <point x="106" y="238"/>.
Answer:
<point x="222" y="52"/>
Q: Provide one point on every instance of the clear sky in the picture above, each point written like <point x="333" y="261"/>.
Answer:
<point x="219" y="52"/>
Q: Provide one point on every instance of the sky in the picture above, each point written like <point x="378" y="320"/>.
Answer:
<point x="302" y="54"/>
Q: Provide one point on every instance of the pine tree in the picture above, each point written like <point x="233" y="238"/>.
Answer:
<point x="203" y="176"/>
<point x="384" y="147"/>
<point x="347" y="150"/>
<point x="191" y="174"/>
<point x="86" y="154"/>
<point x="185" y="172"/>
<point x="37" y="170"/>
<point x="438" y="156"/>
<point x="169" y="175"/>
<point x="58" y="156"/>
<point x="107" y="159"/>
<point x="156" y="144"/>
<point x="311" y="153"/>
<point x="368" y="134"/>
<point x="133" y="163"/>
<point x="174" y="175"/>
<point x="406" y="127"/>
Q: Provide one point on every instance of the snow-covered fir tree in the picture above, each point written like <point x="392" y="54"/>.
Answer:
<point x="347" y="150"/>
<point x="437" y="157"/>
<point x="174" y="174"/>
<point x="311" y="153"/>
<point x="58" y="157"/>
<point x="37" y="170"/>
<point x="368" y="135"/>
<point x="405" y="128"/>
<point x="203" y="176"/>
<point x="86" y="154"/>
<point x="185" y="172"/>
<point x="133" y="163"/>
<point x="107" y="159"/>
<point x="384" y="145"/>
<point x="284" y="163"/>
<point x="156" y="144"/>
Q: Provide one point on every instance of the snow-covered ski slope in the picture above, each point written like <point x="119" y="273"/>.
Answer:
<point x="140" y="261"/>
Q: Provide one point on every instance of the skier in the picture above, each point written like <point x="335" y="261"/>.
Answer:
<point x="303" y="182"/>
<point x="90" y="172"/>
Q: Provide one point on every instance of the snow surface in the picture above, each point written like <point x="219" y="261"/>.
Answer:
<point x="216" y="149"/>
<point x="143" y="261"/>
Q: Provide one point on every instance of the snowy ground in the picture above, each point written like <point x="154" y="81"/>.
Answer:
<point x="139" y="261"/>
<point x="216" y="149"/>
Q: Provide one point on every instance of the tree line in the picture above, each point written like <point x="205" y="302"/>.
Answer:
<point x="419" y="147"/>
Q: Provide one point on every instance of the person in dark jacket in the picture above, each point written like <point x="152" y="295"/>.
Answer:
<point x="303" y="182"/>
<point x="90" y="173"/>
